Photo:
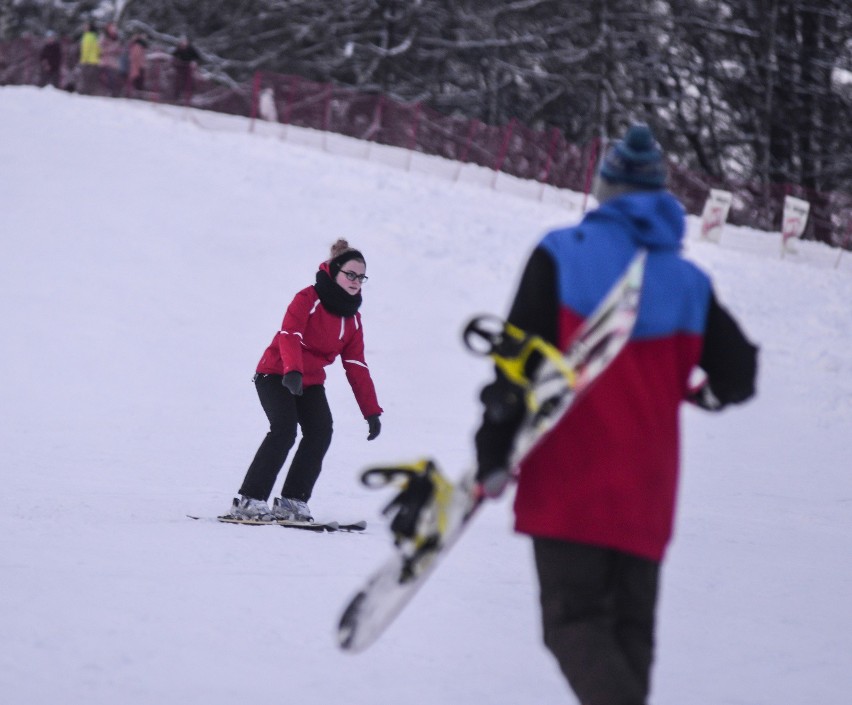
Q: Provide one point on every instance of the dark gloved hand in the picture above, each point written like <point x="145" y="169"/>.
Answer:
<point x="493" y="482"/>
<point x="503" y="401"/>
<point x="293" y="382"/>
<point x="493" y="446"/>
<point x="503" y="412"/>
<point x="375" y="427"/>
<point x="704" y="398"/>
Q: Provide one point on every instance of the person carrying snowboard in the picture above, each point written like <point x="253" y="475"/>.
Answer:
<point x="321" y="323"/>
<point x="597" y="494"/>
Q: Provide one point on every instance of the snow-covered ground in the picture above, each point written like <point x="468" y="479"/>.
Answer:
<point x="146" y="262"/>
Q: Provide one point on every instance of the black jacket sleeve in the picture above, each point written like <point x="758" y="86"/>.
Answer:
<point x="534" y="310"/>
<point x="536" y="305"/>
<point x="728" y="358"/>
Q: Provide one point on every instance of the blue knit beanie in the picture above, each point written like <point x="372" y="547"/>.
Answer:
<point x="636" y="160"/>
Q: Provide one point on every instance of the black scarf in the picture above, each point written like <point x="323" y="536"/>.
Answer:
<point x="335" y="299"/>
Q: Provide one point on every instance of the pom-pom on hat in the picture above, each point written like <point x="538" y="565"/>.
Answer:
<point x="341" y="253"/>
<point x="636" y="160"/>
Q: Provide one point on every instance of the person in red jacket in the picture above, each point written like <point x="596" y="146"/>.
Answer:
<point x="597" y="494"/>
<point x="321" y="323"/>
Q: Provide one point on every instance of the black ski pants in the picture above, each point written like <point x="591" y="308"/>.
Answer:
<point x="286" y="413"/>
<point x="598" y="612"/>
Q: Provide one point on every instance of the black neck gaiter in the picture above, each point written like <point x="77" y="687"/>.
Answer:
<point x="334" y="298"/>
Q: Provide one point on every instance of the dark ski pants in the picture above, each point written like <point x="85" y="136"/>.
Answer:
<point x="286" y="412"/>
<point x="598" y="609"/>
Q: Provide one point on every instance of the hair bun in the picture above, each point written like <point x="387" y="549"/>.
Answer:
<point x="341" y="253"/>
<point x="339" y="247"/>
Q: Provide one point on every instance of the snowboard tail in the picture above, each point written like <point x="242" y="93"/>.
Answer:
<point x="390" y="588"/>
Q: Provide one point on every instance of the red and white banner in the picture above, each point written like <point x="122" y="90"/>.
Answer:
<point x="715" y="214"/>
<point x="794" y="221"/>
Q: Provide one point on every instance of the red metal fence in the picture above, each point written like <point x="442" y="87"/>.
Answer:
<point x="542" y="156"/>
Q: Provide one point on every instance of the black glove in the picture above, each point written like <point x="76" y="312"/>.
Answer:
<point x="503" y="401"/>
<point x="493" y="445"/>
<point x="504" y="409"/>
<point x="293" y="382"/>
<point x="494" y="482"/>
<point x="704" y="398"/>
<point x="375" y="427"/>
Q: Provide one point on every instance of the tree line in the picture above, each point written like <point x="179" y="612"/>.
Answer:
<point x="748" y="91"/>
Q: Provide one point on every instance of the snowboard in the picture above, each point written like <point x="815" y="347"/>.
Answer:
<point x="442" y="517"/>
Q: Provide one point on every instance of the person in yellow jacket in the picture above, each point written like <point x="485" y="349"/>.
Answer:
<point x="90" y="59"/>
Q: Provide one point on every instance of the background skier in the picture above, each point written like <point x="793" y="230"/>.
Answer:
<point x="90" y="59"/>
<point x="185" y="57"/>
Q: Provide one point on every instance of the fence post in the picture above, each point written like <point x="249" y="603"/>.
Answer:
<point x="380" y="114"/>
<point x="844" y="243"/>
<point x="504" y="150"/>
<point x="412" y="142"/>
<point x="30" y="74"/>
<point x="590" y="170"/>
<point x="291" y="99"/>
<point x="156" y="80"/>
<point x="255" y="96"/>
<point x="326" y="116"/>
<point x="551" y="148"/>
<point x="376" y="124"/>
<point x="471" y="131"/>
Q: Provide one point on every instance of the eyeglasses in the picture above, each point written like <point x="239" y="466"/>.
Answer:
<point x="352" y="276"/>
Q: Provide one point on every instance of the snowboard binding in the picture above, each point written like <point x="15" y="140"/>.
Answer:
<point x="419" y="512"/>
<point x="518" y="356"/>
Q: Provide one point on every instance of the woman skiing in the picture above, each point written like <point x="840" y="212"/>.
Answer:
<point x="321" y="323"/>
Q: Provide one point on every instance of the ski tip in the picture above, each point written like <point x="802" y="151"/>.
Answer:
<point x="344" y="526"/>
<point x="354" y="526"/>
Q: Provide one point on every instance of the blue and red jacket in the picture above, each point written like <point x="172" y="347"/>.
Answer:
<point x="607" y="474"/>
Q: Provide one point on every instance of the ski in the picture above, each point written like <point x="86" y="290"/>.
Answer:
<point x="431" y="513"/>
<point x="348" y="526"/>
<point x="318" y="526"/>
